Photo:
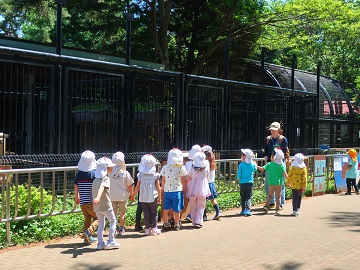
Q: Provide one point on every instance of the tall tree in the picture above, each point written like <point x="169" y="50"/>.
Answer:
<point x="315" y="30"/>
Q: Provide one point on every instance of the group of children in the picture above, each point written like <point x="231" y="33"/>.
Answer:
<point x="296" y="179"/>
<point x="103" y="188"/>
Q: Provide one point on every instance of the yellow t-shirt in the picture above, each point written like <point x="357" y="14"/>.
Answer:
<point x="297" y="178"/>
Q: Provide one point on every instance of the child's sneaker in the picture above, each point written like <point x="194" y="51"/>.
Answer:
<point x="242" y="213"/>
<point x="138" y="228"/>
<point x="101" y="246"/>
<point x="177" y="227"/>
<point x="272" y="206"/>
<point x="92" y="239"/>
<point x="87" y="237"/>
<point x="248" y="213"/>
<point x="112" y="244"/>
<point x="121" y="231"/>
<point x="266" y="209"/>
<point x="166" y="226"/>
<point x="147" y="231"/>
<point x="218" y="216"/>
<point x="293" y="213"/>
<point x="155" y="231"/>
<point x="188" y="218"/>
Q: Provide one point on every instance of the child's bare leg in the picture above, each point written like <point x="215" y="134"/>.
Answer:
<point x="165" y="216"/>
<point x="177" y="217"/>
<point x="122" y="218"/>
<point x="270" y="195"/>
<point x="277" y="194"/>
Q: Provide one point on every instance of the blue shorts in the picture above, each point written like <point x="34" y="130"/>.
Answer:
<point x="212" y="188"/>
<point x="174" y="200"/>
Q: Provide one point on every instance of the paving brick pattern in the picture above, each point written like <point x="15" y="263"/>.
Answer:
<point x="325" y="236"/>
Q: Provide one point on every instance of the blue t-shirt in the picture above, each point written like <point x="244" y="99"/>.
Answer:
<point x="352" y="172"/>
<point x="245" y="172"/>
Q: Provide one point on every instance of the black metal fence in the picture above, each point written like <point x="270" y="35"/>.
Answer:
<point x="53" y="104"/>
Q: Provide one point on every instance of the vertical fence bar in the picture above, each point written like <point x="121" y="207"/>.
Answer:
<point x="8" y="233"/>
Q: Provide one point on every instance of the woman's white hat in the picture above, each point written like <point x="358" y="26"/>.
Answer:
<point x="175" y="157"/>
<point x="249" y="155"/>
<point x="147" y="164"/>
<point x="119" y="159"/>
<point x="101" y="166"/>
<point x="206" y="148"/>
<point x="196" y="148"/>
<point x="279" y="156"/>
<point x="298" y="161"/>
<point x="274" y="126"/>
<point x="87" y="161"/>
<point x="200" y="160"/>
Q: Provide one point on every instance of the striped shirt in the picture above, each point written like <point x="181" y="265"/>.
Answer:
<point x="84" y="182"/>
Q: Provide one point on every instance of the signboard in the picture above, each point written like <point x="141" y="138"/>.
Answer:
<point x="340" y="180"/>
<point x="319" y="175"/>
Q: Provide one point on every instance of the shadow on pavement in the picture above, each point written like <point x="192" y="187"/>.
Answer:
<point x="284" y="266"/>
<point x="99" y="266"/>
<point x="345" y="219"/>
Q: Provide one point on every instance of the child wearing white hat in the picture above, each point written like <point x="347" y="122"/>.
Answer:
<point x="150" y="193"/>
<point x="102" y="202"/>
<point x="198" y="188"/>
<point x="121" y="184"/>
<point x="276" y="170"/>
<point x="174" y="187"/>
<point x="83" y="184"/>
<point x="211" y="165"/>
<point x="297" y="181"/>
<point x="191" y="155"/>
<point x="245" y="174"/>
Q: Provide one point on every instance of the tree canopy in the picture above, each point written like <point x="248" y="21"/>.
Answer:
<point x="315" y="30"/>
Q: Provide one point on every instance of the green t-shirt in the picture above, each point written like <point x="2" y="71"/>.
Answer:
<point x="275" y="173"/>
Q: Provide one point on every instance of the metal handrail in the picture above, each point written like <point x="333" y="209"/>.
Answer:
<point x="60" y="187"/>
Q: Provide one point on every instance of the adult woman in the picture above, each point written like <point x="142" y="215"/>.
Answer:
<point x="276" y="140"/>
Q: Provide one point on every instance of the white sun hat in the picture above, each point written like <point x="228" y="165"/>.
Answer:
<point x="101" y="166"/>
<point x="249" y="155"/>
<point x="207" y="148"/>
<point x="87" y="161"/>
<point x="175" y="156"/>
<point x="119" y="159"/>
<point x="196" y="148"/>
<point x="279" y="156"/>
<point x="298" y="161"/>
<point x="200" y="160"/>
<point x="147" y="164"/>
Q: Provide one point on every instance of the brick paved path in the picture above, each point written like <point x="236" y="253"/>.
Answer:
<point x="325" y="236"/>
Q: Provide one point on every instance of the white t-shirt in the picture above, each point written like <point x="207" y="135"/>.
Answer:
<point x="211" y="176"/>
<point x="173" y="174"/>
<point x="119" y="182"/>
